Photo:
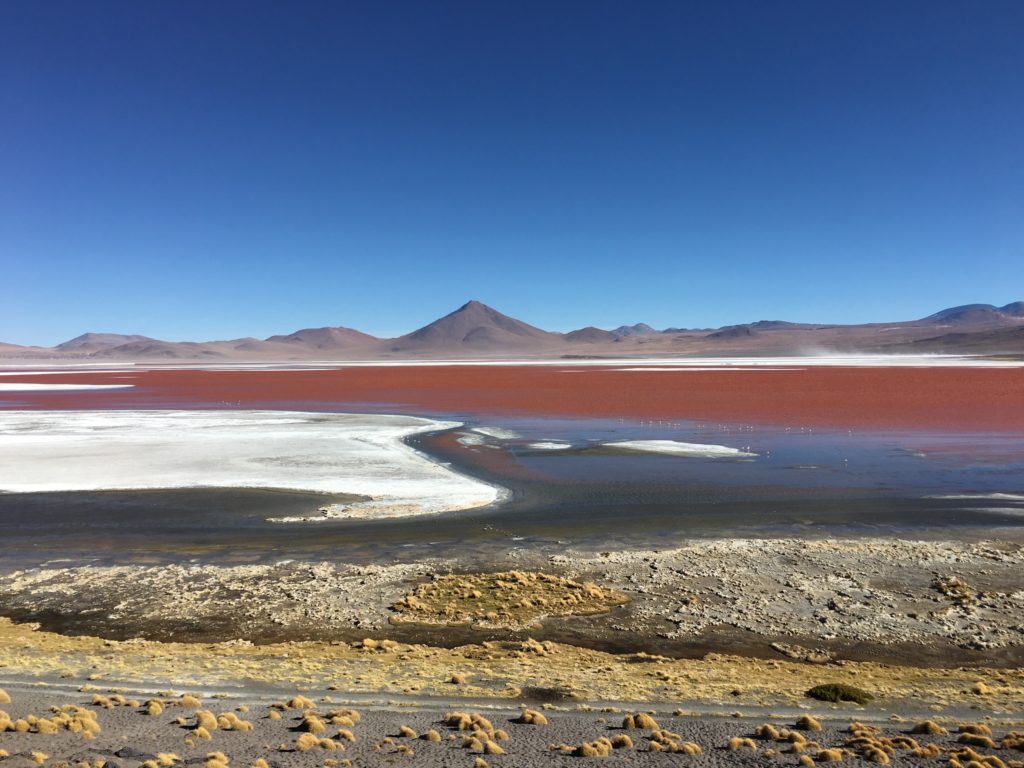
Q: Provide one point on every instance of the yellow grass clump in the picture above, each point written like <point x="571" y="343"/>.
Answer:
<point x="492" y="748"/>
<point x="406" y="732"/>
<point x="739" y="742"/>
<point x="166" y="759"/>
<point x="306" y="742"/>
<point x="432" y="736"/>
<point x="4" y="697"/>
<point x="808" y="723"/>
<point x="312" y="724"/>
<point x="38" y="757"/>
<point x="929" y="727"/>
<point x="976" y="729"/>
<point x="300" y="702"/>
<point x="346" y="734"/>
<point x="976" y="740"/>
<point x="640" y="720"/>
<point x="205" y="719"/>
<point x="480" y="763"/>
<point x="830" y="756"/>
<point x="532" y="717"/>
<point x="260" y="762"/>
<point x="188" y="701"/>
<point x="154" y="707"/>
<point x="510" y="598"/>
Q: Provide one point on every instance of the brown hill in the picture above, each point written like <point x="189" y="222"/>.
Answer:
<point x="478" y="331"/>
<point x="591" y="335"/>
<point x="325" y="338"/>
<point x="474" y="328"/>
<point x="92" y="342"/>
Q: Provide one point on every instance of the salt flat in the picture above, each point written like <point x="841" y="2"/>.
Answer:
<point x="332" y="453"/>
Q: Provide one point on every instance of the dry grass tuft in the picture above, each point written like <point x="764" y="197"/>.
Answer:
<point x="300" y="702"/>
<point x="977" y="740"/>
<point x="622" y="741"/>
<point x="510" y="599"/>
<point x="432" y="736"/>
<point x="4" y="697"/>
<point x="312" y="724"/>
<point x="345" y="734"/>
<point x="830" y="756"/>
<point x="480" y="763"/>
<point x="739" y="742"/>
<point x="306" y="742"/>
<point x="493" y="748"/>
<point x="38" y="757"/>
<point x="259" y="762"/>
<point x="531" y="717"/>
<point x="406" y="732"/>
<point x="1013" y="740"/>
<point x="167" y="759"/>
<point x="929" y="727"/>
<point x="808" y="723"/>
<point x="188" y="701"/>
<point x="977" y="729"/>
<point x="154" y="707"/>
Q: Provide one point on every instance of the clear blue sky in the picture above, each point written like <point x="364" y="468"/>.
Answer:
<point x="200" y="170"/>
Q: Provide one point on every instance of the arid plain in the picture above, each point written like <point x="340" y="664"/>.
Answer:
<point x="579" y="540"/>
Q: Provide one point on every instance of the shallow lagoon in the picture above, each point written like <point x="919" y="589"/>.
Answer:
<point x="801" y="482"/>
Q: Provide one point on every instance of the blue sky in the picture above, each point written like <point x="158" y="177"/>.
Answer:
<point x="200" y="170"/>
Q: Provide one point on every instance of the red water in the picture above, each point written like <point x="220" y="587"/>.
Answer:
<point x="989" y="399"/>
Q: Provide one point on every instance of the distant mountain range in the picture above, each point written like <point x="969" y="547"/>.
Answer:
<point x="476" y="331"/>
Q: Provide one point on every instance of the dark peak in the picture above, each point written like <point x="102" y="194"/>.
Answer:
<point x="1014" y="309"/>
<point x="965" y="313"/>
<point x="639" y="329"/>
<point x="592" y="335"/>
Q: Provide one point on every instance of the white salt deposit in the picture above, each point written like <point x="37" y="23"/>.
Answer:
<point x="675" y="448"/>
<point x="549" y="445"/>
<point x="27" y="387"/>
<point x="330" y="453"/>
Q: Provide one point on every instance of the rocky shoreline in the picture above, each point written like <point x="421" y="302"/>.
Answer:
<point x="861" y="599"/>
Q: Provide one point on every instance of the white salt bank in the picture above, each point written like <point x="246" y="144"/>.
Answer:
<point x="676" y="448"/>
<point x="326" y="452"/>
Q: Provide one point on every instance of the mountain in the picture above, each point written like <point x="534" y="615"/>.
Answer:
<point x="325" y="338"/>
<point x="91" y="342"/>
<point x="474" y="327"/>
<point x="640" y="329"/>
<point x="153" y="349"/>
<point x="592" y="335"/>
<point x="734" y="332"/>
<point x="476" y="331"/>
<point x="968" y="314"/>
